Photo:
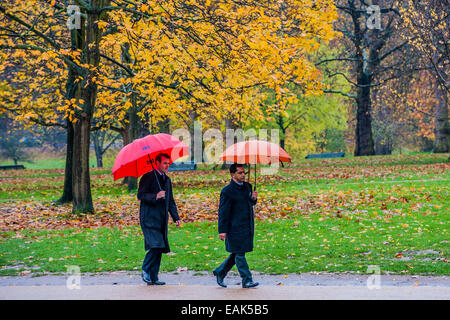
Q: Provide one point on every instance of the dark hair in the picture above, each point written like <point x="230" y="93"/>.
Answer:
<point x="162" y="155"/>
<point x="234" y="166"/>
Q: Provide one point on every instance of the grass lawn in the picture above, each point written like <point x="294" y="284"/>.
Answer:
<point x="333" y="215"/>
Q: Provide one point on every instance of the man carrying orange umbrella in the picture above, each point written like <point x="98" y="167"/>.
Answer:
<point x="236" y="215"/>
<point x="236" y="225"/>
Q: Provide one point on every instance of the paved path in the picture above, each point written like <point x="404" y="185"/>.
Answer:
<point x="201" y="286"/>
<point x="198" y="292"/>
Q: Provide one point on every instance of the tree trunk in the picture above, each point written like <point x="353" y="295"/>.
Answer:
<point x="280" y="122"/>
<point x="363" y="133"/>
<point x="67" y="195"/>
<point x="442" y="127"/>
<point x="144" y="126"/>
<point x="367" y="44"/>
<point x="125" y="140"/>
<point x="98" y="149"/>
<point x="72" y="90"/>
<point x="82" y="198"/>
<point x="196" y="141"/>
<point x="364" y="138"/>
<point x="133" y="134"/>
<point x="229" y="125"/>
<point x="163" y="126"/>
<point x="383" y="148"/>
<point x="192" y="116"/>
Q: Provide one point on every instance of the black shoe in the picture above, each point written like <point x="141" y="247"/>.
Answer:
<point x="146" y="277"/>
<point x="219" y="279"/>
<point x="157" y="283"/>
<point x="250" y="284"/>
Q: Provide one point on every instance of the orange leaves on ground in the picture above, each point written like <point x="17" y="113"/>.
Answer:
<point x="280" y="196"/>
<point x="21" y="215"/>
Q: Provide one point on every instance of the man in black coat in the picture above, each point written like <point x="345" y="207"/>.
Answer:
<point x="156" y="202"/>
<point x="236" y="225"/>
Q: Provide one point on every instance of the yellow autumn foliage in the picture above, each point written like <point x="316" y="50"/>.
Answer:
<point x="206" y="57"/>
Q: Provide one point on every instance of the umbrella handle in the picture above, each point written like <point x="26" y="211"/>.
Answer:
<point x="255" y="175"/>
<point x="156" y="177"/>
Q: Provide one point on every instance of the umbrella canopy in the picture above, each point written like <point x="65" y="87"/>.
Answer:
<point x="255" y="151"/>
<point x="136" y="158"/>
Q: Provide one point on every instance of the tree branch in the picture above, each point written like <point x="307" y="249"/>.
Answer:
<point x="30" y="28"/>
<point x="348" y="95"/>
<point x="389" y="52"/>
<point x="128" y="70"/>
<point x="335" y="59"/>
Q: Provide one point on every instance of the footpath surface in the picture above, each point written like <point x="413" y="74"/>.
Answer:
<point x="189" y="285"/>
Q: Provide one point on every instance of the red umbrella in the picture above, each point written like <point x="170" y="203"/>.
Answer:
<point x="137" y="158"/>
<point x="255" y="151"/>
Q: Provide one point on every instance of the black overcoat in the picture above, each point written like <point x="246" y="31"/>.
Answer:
<point x="153" y="213"/>
<point x="236" y="217"/>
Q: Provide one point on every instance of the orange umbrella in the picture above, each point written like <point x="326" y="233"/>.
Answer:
<point x="255" y="151"/>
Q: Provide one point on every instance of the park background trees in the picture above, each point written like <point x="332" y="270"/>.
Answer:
<point x="345" y="75"/>
<point x="166" y="59"/>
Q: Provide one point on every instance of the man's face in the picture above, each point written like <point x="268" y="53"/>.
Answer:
<point x="163" y="166"/>
<point x="239" y="175"/>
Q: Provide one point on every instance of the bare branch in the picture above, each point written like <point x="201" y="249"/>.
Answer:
<point x="335" y="59"/>
<point x="348" y="95"/>
<point x="128" y="70"/>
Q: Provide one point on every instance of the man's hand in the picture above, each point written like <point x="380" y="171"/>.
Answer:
<point x="178" y="223"/>
<point x="160" y="194"/>
<point x="222" y="236"/>
<point x="254" y="195"/>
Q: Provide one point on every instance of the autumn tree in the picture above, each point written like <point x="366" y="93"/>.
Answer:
<point x="427" y="25"/>
<point x="11" y="142"/>
<point x="26" y="27"/>
<point x="103" y="140"/>
<point x="204" y="57"/>
<point x="33" y="90"/>
<point x="304" y="120"/>
<point x="404" y="113"/>
<point x="372" y="54"/>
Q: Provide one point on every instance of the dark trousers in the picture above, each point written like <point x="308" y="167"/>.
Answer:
<point x="151" y="263"/>
<point x="239" y="260"/>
